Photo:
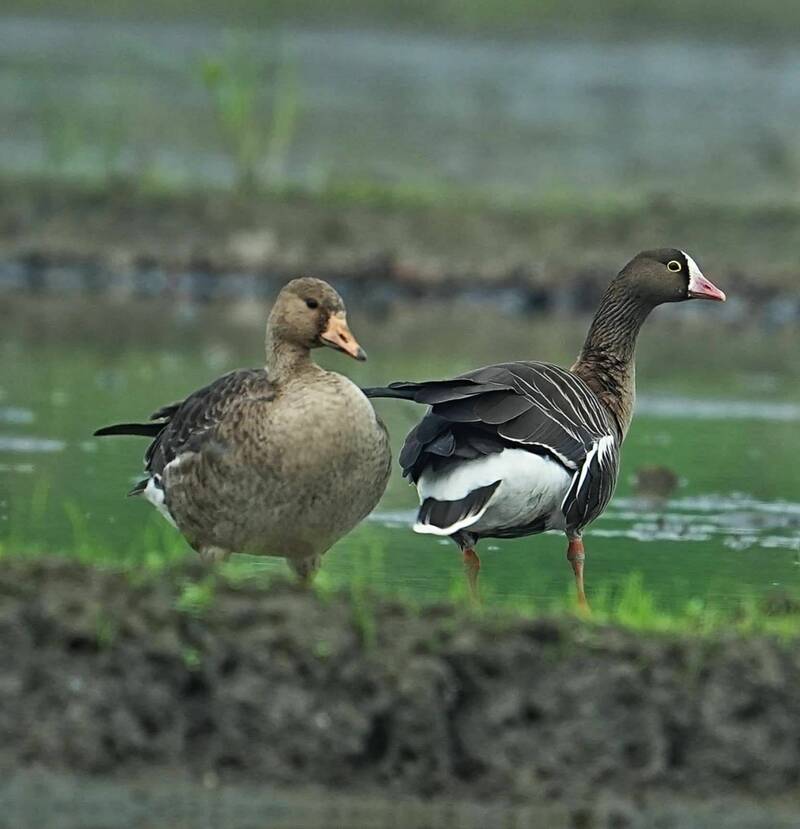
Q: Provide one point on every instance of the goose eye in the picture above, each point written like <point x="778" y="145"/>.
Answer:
<point x="312" y="303"/>
<point x="674" y="265"/>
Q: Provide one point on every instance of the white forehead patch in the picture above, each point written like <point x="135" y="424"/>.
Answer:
<point x="694" y="272"/>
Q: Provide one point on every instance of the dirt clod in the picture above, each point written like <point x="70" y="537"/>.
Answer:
<point x="104" y="675"/>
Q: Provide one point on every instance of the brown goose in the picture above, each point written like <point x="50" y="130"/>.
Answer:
<point x="281" y="461"/>
<point x="519" y="448"/>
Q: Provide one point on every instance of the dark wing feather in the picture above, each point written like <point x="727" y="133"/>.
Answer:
<point x="147" y="430"/>
<point x="437" y="391"/>
<point x="444" y="445"/>
<point x="484" y="443"/>
<point x="424" y="433"/>
<point x="460" y="411"/>
<point x="501" y="407"/>
<point x="166" y="412"/>
<point x="192" y="421"/>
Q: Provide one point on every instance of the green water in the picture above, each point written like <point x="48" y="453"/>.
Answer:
<point x="718" y="405"/>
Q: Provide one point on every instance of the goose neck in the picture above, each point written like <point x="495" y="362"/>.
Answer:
<point x="606" y="362"/>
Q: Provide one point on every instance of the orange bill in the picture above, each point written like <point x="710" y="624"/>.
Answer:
<point x="337" y="335"/>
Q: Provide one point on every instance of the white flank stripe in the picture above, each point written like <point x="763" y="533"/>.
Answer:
<point x="586" y="464"/>
<point x="155" y="495"/>
<point x="605" y="446"/>
<point x="430" y="529"/>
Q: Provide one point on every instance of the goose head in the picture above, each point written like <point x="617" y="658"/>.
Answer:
<point x="666" y="275"/>
<point x="309" y="313"/>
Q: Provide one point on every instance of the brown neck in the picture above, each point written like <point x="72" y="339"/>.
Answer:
<point x="606" y="362"/>
<point x="285" y="359"/>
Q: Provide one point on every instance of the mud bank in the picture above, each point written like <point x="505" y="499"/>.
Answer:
<point x="243" y="684"/>
<point x="123" y="242"/>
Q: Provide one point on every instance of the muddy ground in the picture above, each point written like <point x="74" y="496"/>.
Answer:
<point x="113" y="678"/>
<point x="123" y="240"/>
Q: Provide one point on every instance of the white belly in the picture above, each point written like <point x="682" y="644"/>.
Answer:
<point x="531" y="487"/>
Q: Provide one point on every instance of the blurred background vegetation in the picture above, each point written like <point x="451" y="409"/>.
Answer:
<point x="706" y="18"/>
<point x="534" y="102"/>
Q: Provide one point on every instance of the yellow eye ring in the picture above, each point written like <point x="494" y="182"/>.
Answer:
<point x="674" y="265"/>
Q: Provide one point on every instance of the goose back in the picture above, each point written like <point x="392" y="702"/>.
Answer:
<point x="534" y="406"/>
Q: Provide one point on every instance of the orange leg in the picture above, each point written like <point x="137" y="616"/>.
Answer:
<point x="472" y="566"/>
<point x="576" y="556"/>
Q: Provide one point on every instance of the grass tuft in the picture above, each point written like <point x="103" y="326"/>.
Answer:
<point x="197" y="597"/>
<point x="236" y="81"/>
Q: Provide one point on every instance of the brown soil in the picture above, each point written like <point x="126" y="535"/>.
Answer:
<point x="105" y="676"/>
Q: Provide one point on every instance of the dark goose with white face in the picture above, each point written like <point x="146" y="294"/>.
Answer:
<point x="518" y="448"/>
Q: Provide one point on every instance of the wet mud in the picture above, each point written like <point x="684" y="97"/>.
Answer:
<point x="118" y="678"/>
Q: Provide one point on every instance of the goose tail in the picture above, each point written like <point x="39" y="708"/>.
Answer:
<point x="147" y="430"/>
<point x="396" y="391"/>
<point x="448" y="517"/>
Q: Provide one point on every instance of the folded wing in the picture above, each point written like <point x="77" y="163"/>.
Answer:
<point x="187" y="424"/>
<point x="526" y="405"/>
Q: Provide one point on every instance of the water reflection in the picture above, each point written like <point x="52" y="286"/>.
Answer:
<point x="741" y="521"/>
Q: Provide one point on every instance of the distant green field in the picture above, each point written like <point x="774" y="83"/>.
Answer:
<point x="702" y="18"/>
